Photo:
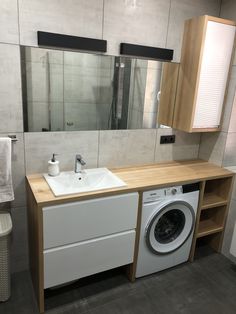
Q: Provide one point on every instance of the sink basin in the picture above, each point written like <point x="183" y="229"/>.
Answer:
<point x="69" y="182"/>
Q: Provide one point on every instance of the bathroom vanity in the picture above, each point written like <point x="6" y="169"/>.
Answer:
<point x="77" y="235"/>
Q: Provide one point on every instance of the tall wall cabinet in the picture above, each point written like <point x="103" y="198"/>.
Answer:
<point x="206" y="56"/>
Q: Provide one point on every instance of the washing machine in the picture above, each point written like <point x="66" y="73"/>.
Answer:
<point x="167" y="225"/>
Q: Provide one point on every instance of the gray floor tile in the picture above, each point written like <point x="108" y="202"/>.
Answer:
<point x="207" y="286"/>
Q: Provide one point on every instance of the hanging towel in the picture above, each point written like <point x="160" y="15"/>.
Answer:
<point x="6" y="188"/>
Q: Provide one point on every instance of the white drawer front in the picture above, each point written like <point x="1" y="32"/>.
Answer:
<point x="86" y="258"/>
<point x="79" y="221"/>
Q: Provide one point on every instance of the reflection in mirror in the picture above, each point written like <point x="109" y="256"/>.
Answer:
<point x="70" y="91"/>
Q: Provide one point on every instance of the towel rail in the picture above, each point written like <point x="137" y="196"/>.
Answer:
<point x="13" y="138"/>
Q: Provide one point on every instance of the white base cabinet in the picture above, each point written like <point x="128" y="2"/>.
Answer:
<point x="82" y="259"/>
<point x="87" y="237"/>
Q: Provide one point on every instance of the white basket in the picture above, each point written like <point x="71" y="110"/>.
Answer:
<point x="5" y="229"/>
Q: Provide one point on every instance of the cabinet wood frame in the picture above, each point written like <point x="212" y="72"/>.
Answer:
<point x="181" y="113"/>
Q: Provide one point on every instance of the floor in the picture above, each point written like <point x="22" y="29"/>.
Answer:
<point x="206" y="286"/>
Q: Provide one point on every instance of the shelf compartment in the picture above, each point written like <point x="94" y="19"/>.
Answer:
<point x="213" y="200"/>
<point x="207" y="227"/>
<point x="216" y="192"/>
<point x="211" y="221"/>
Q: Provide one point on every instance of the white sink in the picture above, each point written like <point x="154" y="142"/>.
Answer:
<point x="69" y="182"/>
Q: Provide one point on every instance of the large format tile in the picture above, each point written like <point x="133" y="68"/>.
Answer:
<point x="126" y="147"/>
<point x="9" y="22"/>
<point x="205" y="286"/>
<point x="185" y="147"/>
<point x="72" y="17"/>
<point x="229" y="229"/>
<point x="181" y="11"/>
<point x="141" y="22"/>
<point x="18" y="171"/>
<point x="19" y="243"/>
<point x="10" y="89"/>
<point x="230" y="150"/>
<point x="229" y="117"/>
<point x="39" y="148"/>
<point x="212" y="147"/>
<point x="228" y="9"/>
<point x="232" y="124"/>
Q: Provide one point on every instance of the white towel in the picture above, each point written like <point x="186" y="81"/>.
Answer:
<point x="6" y="188"/>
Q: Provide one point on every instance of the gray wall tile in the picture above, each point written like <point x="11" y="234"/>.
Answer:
<point x="126" y="147"/>
<point x="232" y="124"/>
<point x="230" y="150"/>
<point x="72" y="17"/>
<point x="229" y="230"/>
<point x="185" y="147"/>
<point x="10" y="89"/>
<point x="141" y="22"/>
<point x="9" y="32"/>
<point x="212" y="147"/>
<point x="19" y="244"/>
<point x="39" y="148"/>
<point x="228" y="9"/>
<point x="183" y="10"/>
<point x="229" y="116"/>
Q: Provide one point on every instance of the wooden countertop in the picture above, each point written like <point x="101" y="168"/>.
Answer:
<point x="137" y="178"/>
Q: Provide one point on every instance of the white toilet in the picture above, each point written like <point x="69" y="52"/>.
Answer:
<point x="233" y="243"/>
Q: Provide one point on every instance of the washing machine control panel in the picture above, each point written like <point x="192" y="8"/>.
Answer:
<point x="174" y="190"/>
<point x="155" y="195"/>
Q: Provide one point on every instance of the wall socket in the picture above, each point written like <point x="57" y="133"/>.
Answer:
<point x="167" y="139"/>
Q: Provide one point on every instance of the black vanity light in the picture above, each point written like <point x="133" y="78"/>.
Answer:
<point x="146" y="52"/>
<point x="71" y="42"/>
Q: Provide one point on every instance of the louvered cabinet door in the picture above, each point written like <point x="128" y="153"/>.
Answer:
<point x="213" y="76"/>
<point x="205" y="64"/>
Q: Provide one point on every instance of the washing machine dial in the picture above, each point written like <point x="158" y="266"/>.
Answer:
<point x="173" y="191"/>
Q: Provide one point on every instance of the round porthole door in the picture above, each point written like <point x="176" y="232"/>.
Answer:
<point x="170" y="227"/>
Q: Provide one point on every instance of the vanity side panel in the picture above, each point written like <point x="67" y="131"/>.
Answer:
<point x="194" y="32"/>
<point x="35" y="231"/>
<point x="168" y="93"/>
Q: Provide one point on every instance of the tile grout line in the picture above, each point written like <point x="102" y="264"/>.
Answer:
<point x="18" y="20"/>
<point x="168" y="24"/>
<point x="103" y="11"/>
<point x="200" y="141"/>
<point x="155" y="145"/>
<point x="98" y="150"/>
<point x="220" y="8"/>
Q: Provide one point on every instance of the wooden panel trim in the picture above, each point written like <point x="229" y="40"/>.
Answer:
<point x="139" y="178"/>
<point x="35" y="232"/>
<point x="204" y="28"/>
<point x="197" y="130"/>
<point x="220" y="20"/>
<point x="169" y="80"/>
<point x="131" y="269"/>
<point x="191" y="55"/>
<point x="194" y="241"/>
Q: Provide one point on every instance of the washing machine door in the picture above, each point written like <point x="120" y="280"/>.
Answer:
<point x="170" y="227"/>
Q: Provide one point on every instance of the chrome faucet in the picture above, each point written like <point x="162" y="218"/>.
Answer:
<point x="79" y="162"/>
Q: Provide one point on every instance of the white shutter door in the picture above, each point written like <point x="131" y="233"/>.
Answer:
<point x="214" y="70"/>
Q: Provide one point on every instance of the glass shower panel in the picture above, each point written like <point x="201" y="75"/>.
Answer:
<point x="44" y="89"/>
<point x="87" y="91"/>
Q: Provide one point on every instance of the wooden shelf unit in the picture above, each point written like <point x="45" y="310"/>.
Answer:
<point x="212" y="212"/>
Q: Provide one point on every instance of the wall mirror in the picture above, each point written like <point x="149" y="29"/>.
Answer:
<point x="73" y="91"/>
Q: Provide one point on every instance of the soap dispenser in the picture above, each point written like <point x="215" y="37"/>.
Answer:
<point x="53" y="166"/>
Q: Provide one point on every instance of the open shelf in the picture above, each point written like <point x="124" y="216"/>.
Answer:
<point x="212" y="213"/>
<point x="207" y="227"/>
<point x="212" y="200"/>
<point x="216" y="192"/>
<point x="211" y="221"/>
